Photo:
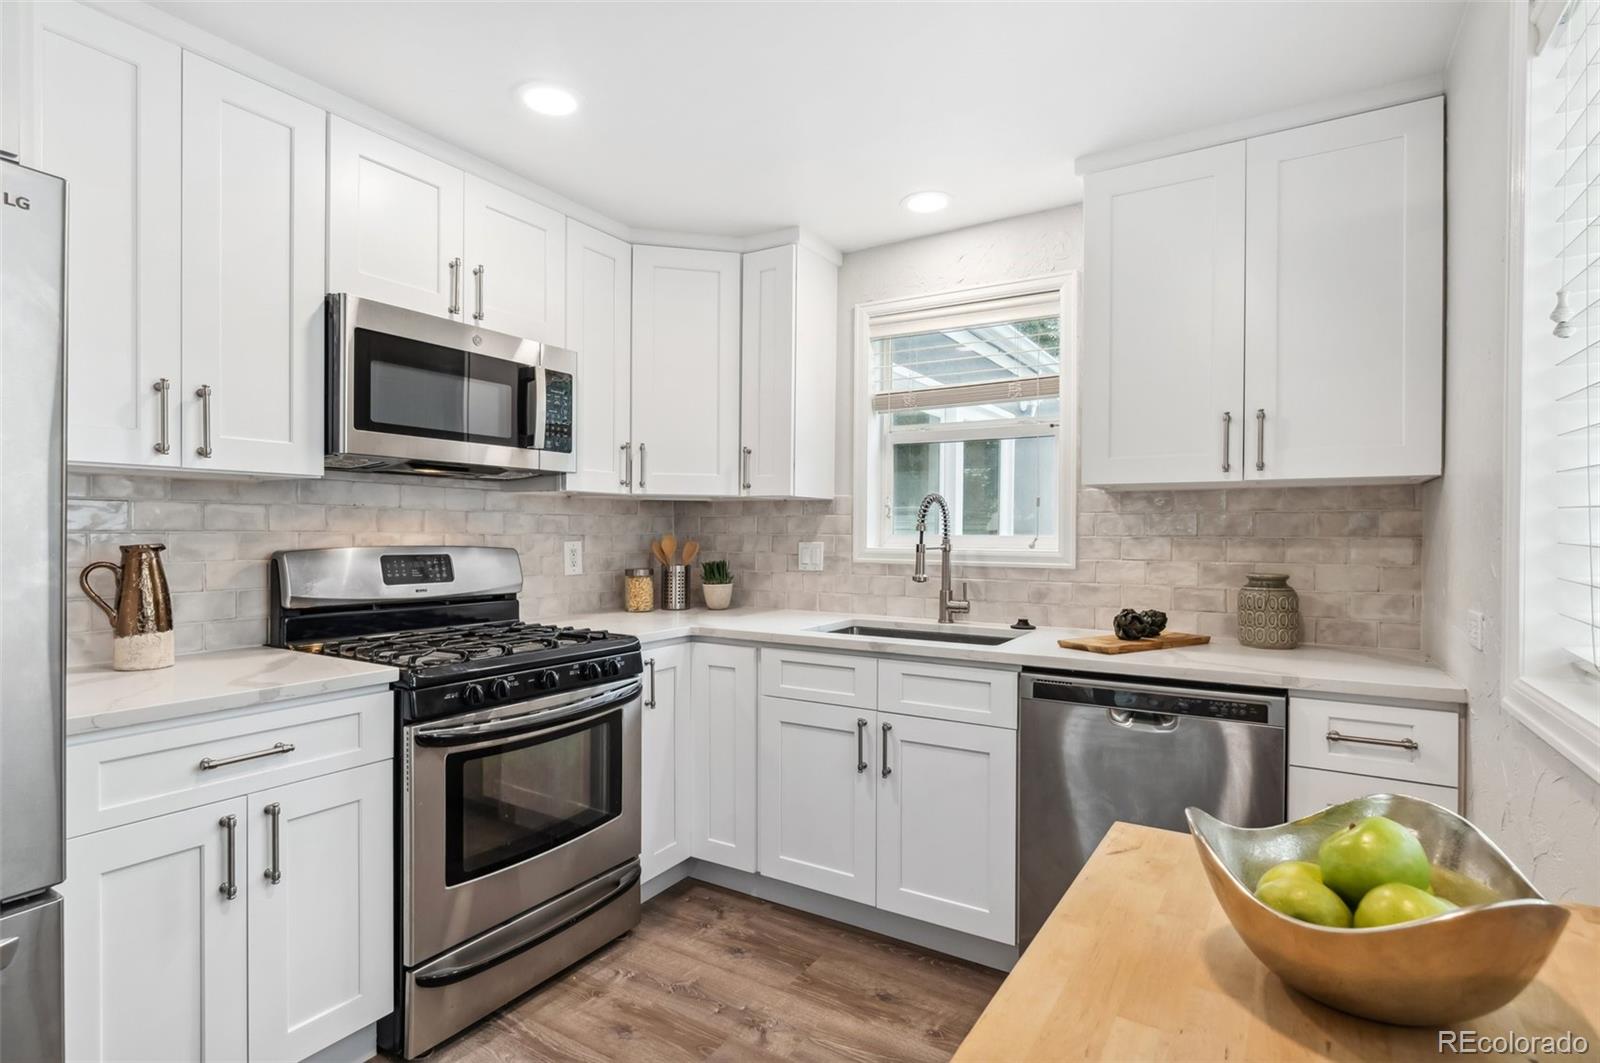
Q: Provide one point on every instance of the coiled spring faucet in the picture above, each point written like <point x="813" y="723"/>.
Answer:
<point x="948" y="605"/>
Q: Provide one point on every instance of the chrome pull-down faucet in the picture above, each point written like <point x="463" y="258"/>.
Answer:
<point x="948" y="605"/>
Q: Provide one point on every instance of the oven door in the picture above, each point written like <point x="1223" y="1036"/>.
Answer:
<point x="507" y="808"/>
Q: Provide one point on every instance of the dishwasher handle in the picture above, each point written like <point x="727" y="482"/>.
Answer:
<point x="1139" y="720"/>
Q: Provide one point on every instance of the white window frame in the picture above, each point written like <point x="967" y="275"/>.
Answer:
<point x="870" y="477"/>
<point x="1564" y="714"/>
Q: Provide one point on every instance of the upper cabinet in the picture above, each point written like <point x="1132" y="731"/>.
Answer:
<point x="600" y="330"/>
<point x="686" y="371"/>
<point x="787" y="373"/>
<point x="1269" y="310"/>
<point x="409" y="230"/>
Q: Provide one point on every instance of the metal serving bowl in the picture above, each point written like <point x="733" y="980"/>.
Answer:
<point x="1432" y="972"/>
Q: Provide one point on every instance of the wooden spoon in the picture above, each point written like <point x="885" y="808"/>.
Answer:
<point x="669" y="544"/>
<point x="659" y="553"/>
<point x="691" y="550"/>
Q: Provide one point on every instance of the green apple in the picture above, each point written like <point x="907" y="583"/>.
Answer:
<point x="1363" y="855"/>
<point x="1298" y="897"/>
<point x="1396" y="902"/>
<point x="1291" y="869"/>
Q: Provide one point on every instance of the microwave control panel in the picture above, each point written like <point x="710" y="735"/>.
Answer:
<point x="557" y="412"/>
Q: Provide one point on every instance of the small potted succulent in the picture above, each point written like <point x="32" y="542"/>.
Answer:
<point x="716" y="583"/>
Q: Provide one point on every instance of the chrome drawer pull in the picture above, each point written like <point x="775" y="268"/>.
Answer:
<point x="477" y="276"/>
<point x="203" y="393"/>
<point x="164" y="389"/>
<point x="278" y="749"/>
<point x="274" y="874"/>
<point x="1395" y="743"/>
<point x="627" y="455"/>
<point x="230" y="888"/>
<point x="650" y="703"/>
<point x="744" y="466"/>
<point x="1261" y="440"/>
<point x="455" y="287"/>
<point x="1227" y="441"/>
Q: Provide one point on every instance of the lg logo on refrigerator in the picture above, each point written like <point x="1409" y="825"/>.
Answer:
<point x="20" y="202"/>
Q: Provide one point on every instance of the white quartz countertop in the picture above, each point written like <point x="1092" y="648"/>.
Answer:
<point x="100" y="699"/>
<point x="1306" y="670"/>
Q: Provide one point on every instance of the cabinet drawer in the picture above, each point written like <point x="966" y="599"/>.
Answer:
<point x="948" y="692"/>
<point x="121" y="779"/>
<point x="1329" y="735"/>
<point x="1311" y="790"/>
<point x="831" y="678"/>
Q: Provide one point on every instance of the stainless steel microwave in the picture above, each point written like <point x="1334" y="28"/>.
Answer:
<point x="408" y="392"/>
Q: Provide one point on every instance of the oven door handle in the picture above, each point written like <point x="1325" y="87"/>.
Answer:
<point x="528" y="722"/>
<point x="561" y="914"/>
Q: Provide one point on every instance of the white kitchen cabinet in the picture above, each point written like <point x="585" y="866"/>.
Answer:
<point x="1269" y="310"/>
<point x="599" y="323"/>
<point x="254" y="227"/>
<point x="686" y="371"/>
<point x="1311" y="790"/>
<point x="105" y="114"/>
<point x="723" y="704"/>
<point x="394" y="223"/>
<point x="320" y="878"/>
<point x="1343" y="300"/>
<point x="516" y="263"/>
<point x="815" y="774"/>
<point x="666" y="754"/>
<point x="1164" y="320"/>
<point x="788" y="372"/>
<point x="947" y="824"/>
<point x="155" y="951"/>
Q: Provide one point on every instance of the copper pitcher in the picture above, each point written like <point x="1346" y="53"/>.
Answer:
<point x="141" y="620"/>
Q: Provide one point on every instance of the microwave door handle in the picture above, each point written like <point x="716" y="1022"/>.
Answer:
<point x="534" y="420"/>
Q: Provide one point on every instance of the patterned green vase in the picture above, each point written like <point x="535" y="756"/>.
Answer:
<point x="1269" y="612"/>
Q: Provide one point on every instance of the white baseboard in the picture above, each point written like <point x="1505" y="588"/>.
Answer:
<point x="915" y="931"/>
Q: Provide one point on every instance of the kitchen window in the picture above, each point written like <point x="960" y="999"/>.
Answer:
<point x="1552" y="680"/>
<point x="967" y="394"/>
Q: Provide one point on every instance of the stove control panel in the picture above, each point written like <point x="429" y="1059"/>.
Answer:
<point x="521" y="685"/>
<point x="402" y="569"/>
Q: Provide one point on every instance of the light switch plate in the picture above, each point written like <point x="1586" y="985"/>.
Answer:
<point x="572" y="556"/>
<point x="1475" y="629"/>
<point x="810" y="557"/>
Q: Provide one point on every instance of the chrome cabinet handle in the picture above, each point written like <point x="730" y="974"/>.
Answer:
<point x="455" y="286"/>
<point x="627" y="463"/>
<point x="1394" y="743"/>
<point x="477" y="278"/>
<point x="641" y="466"/>
<point x="203" y="392"/>
<point x="1261" y="440"/>
<point x="164" y="389"/>
<point x="274" y="874"/>
<point x="744" y="466"/>
<point x="1227" y="441"/>
<point x="887" y="771"/>
<point x="861" y="744"/>
<point x="229" y="824"/>
<point x="278" y="749"/>
<point x="650" y="702"/>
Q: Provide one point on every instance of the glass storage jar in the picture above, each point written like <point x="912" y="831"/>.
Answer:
<point x="638" y="590"/>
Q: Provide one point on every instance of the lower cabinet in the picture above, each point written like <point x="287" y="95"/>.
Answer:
<point x="666" y="762"/>
<point x="1311" y="790"/>
<point x="255" y="928"/>
<point x="723" y="718"/>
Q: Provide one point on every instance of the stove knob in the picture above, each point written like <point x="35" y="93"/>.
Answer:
<point x="613" y="667"/>
<point x="589" y="670"/>
<point x="473" y="694"/>
<point x="501" y="689"/>
<point x="547" y="681"/>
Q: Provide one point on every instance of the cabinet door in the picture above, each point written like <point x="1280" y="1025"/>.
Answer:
<point x="947" y="824"/>
<point x="816" y="777"/>
<point x="321" y="883"/>
<point x="1344" y="297"/>
<point x="516" y="263"/>
<point x="686" y="371"/>
<point x="599" y="329"/>
<point x="723" y="696"/>
<point x="254" y="217"/>
<point x="106" y="116"/>
<point x="666" y="761"/>
<point x="394" y="223"/>
<point x="1164" y="320"/>
<point x="767" y="373"/>
<point x="155" y="951"/>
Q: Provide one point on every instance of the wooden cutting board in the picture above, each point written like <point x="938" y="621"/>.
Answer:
<point x="1111" y="644"/>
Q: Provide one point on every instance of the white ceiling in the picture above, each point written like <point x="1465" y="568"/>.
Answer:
<point x="741" y="118"/>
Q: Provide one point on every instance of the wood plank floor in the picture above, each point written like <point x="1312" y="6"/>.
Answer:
<point x="714" y="975"/>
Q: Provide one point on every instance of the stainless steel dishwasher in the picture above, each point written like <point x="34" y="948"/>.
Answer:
<point x="1096" y="751"/>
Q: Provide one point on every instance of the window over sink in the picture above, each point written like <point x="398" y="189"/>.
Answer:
<point x="967" y="394"/>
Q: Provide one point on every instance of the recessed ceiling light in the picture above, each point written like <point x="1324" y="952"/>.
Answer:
<point x="544" y="98"/>
<point x="926" y="202"/>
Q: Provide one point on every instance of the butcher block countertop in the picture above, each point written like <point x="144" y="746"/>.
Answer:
<point x="1138" y="963"/>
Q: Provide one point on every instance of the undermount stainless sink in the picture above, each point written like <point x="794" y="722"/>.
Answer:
<point x="947" y="633"/>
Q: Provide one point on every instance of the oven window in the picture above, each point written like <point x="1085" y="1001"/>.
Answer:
<point x="508" y="803"/>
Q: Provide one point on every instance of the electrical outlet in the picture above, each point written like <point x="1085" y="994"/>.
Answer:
<point x="572" y="556"/>
<point x="810" y="557"/>
<point x="1475" y="629"/>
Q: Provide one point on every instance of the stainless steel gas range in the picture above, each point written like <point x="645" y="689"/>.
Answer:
<point x="517" y="770"/>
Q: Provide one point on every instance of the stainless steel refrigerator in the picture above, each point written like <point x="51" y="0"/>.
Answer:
<point x="32" y="607"/>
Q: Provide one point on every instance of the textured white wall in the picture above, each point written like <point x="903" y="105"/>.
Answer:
<point x="1540" y="808"/>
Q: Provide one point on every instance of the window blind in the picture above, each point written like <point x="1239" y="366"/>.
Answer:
<point x="1573" y="370"/>
<point x="991" y="352"/>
